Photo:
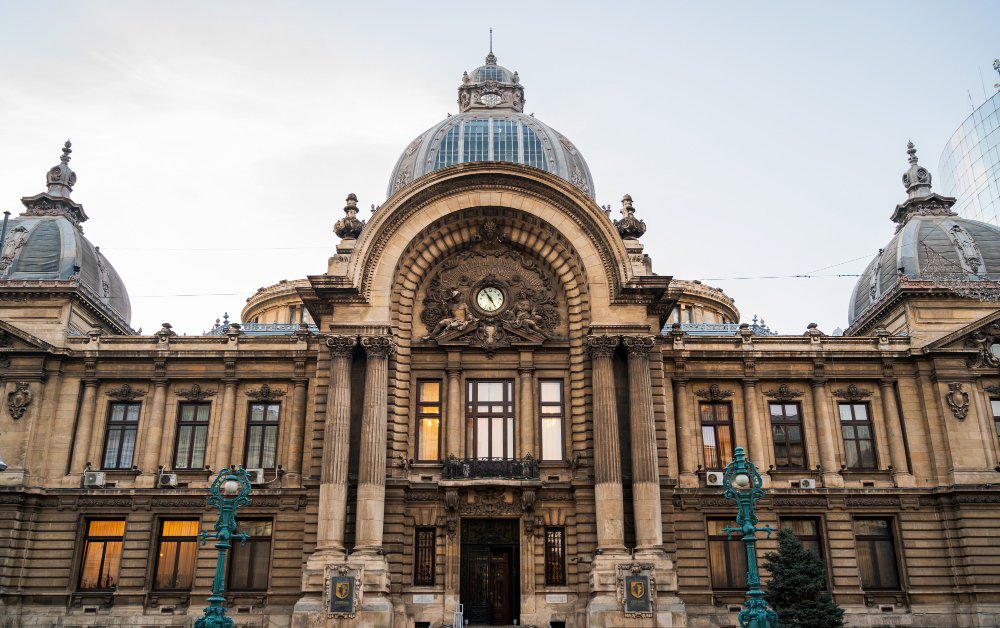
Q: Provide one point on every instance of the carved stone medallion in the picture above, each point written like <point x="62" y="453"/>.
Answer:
<point x="958" y="400"/>
<point x="18" y="400"/>
<point x="852" y="393"/>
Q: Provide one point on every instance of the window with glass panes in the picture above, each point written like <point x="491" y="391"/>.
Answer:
<point x="995" y="405"/>
<point x="859" y="443"/>
<point x="178" y="544"/>
<point x="119" y="443"/>
<point x="716" y="433"/>
<point x="424" y="542"/>
<point x="428" y="420"/>
<point x="786" y="431"/>
<point x="102" y="554"/>
<point x="262" y="435"/>
<point x="876" y="553"/>
<point x="192" y="435"/>
<point x="489" y="414"/>
<point x="555" y="556"/>
<point x="249" y="563"/>
<point x="552" y="412"/>
<point x="807" y="529"/>
<point x="726" y="556"/>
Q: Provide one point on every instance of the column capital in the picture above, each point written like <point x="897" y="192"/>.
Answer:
<point x="453" y="370"/>
<point x="638" y="346"/>
<point x="378" y="346"/>
<point x="341" y="345"/>
<point x="525" y="370"/>
<point x="601" y="346"/>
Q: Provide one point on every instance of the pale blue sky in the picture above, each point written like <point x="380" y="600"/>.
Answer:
<point x="215" y="143"/>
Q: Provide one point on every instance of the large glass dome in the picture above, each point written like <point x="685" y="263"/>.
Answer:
<point x="491" y="126"/>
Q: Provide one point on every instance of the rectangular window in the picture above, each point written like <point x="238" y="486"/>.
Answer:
<point x="489" y="414"/>
<point x="859" y="444"/>
<point x="175" y="562"/>
<point x="192" y="435"/>
<point x="807" y="529"/>
<point x="876" y="554"/>
<point x="102" y="554"/>
<point x="249" y="563"/>
<point x="428" y="421"/>
<point x="717" y="433"/>
<point x="119" y="444"/>
<point x="726" y="556"/>
<point x="262" y="435"/>
<point x="552" y="412"/>
<point x="424" y="544"/>
<point x="555" y="556"/>
<point x="786" y="429"/>
<point x="995" y="405"/>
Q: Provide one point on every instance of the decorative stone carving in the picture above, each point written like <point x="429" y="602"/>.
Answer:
<point x="341" y="345"/>
<point x="983" y="341"/>
<point x="16" y="238"/>
<point x="196" y="393"/>
<point x="460" y="318"/>
<point x="993" y="390"/>
<point x="342" y="591"/>
<point x="957" y="400"/>
<point x="783" y="393"/>
<point x="125" y="393"/>
<point x="349" y="227"/>
<point x="630" y="579"/>
<point x="378" y="346"/>
<point x="490" y="502"/>
<point x="638" y="346"/>
<point x="265" y="393"/>
<point x="18" y="400"/>
<point x="601" y="346"/>
<point x="852" y="393"/>
<point x="629" y="226"/>
<point x="714" y="393"/>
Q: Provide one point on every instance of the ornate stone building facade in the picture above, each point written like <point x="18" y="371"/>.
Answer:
<point x="478" y="406"/>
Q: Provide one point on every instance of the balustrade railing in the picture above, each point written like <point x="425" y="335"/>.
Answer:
<point x="490" y="468"/>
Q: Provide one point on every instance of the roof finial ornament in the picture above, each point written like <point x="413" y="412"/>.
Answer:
<point x="629" y="226"/>
<point x="349" y="227"/>
<point x="67" y="149"/>
<point x="61" y="179"/>
<point x="911" y="150"/>
<point x="916" y="180"/>
<point x="491" y="59"/>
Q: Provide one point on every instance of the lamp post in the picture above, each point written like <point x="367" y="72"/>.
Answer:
<point x="743" y="486"/>
<point x="229" y="491"/>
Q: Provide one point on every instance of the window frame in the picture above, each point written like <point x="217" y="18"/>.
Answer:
<point x="784" y="422"/>
<point x="180" y="541"/>
<point x="729" y="554"/>
<point x="472" y="417"/>
<point x="252" y="545"/>
<point x="195" y="425"/>
<point x="855" y="423"/>
<point x="276" y="424"/>
<point x="560" y="416"/>
<point x="421" y="415"/>
<point x="122" y="428"/>
<point x="995" y="411"/>
<point x="555" y="556"/>
<point x="818" y="539"/>
<point x="424" y="556"/>
<point x="892" y="544"/>
<point x="104" y="539"/>
<point x="715" y="424"/>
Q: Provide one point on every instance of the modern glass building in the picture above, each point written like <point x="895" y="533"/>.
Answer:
<point x="970" y="164"/>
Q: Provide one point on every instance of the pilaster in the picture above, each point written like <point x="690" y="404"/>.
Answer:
<point x="607" y="453"/>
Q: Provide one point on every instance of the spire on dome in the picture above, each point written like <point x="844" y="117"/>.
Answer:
<point x="55" y="200"/>
<point x="491" y="59"/>
<point x="920" y="201"/>
<point x="61" y="179"/>
<point x="916" y="180"/>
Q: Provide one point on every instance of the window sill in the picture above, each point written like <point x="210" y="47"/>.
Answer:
<point x="121" y="474"/>
<point x="866" y="474"/>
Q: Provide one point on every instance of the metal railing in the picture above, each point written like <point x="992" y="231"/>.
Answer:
<point x="490" y="468"/>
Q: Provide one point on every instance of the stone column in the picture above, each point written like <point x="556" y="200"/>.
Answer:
<point x="297" y="429"/>
<point x="893" y="425"/>
<point x="755" y="429"/>
<point x="687" y="445"/>
<point x="453" y="428"/>
<point x="607" y="453"/>
<point x="528" y="423"/>
<point x="336" y="447"/>
<point x="155" y="440"/>
<point x="645" y="463"/>
<point x="85" y="428"/>
<point x="224" y="449"/>
<point x="371" y="468"/>
<point x="827" y="435"/>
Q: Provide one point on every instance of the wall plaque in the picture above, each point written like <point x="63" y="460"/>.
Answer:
<point x="342" y="592"/>
<point x="555" y="598"/>
<point x="636" y="589"/>
<point x="423" y="598"/>
<point x="637" y="598"/>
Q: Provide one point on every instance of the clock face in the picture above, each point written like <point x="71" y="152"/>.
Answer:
<point x="490" y="100"/>
<point x="490" y="299"/>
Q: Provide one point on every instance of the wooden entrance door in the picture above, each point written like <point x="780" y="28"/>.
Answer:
<point x="488" y="588"/>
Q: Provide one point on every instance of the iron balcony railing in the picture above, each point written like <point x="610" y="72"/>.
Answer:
<point x="490" y="468"/>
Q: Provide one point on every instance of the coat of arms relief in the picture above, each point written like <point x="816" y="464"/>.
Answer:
<point x="491" y="296"/>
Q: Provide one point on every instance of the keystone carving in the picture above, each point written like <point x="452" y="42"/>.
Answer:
<point x="265" y="393"/>
<point x="714" y="393"/>
<point x="783" y="393"/>
<point x="852" y="393"/>
<point x="125" y="393"/>
<point x="196" y="393"/>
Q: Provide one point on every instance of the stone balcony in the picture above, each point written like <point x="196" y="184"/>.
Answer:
<point x="490" y="470"/>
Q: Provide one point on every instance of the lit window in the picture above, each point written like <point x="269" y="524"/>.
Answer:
<point x="551" y="409"/>
<point x="876" y="554"/>
<point x="262" y="436"/>
<point x="786" y="429"/>
<point x="192" y="435"/>
<point x="856" y="427"/>
<point x="726" y="556"/>
<point x="175" y="562"/>
<point x="102" y="554"/>
<point x="119" y="444"/>
<point x="424" y="541"/>
<point x="428" y="420"/>
<point x="555" y="556"/>
<point x="249" y="562"/>
<point x="717" y="433"/>
<point x="490" y="419"/>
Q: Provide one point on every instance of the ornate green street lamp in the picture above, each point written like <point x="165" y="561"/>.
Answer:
<point x="743" y="486"/>
<point x="229" y="491"/>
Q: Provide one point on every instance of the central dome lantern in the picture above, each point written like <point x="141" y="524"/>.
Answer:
<point x="491" y="126"/>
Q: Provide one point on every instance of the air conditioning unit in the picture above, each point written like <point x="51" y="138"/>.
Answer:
<point x="93" y="479"/>
<point x="807" y="483"/>
<point x="256" y="476"/>
<point x="713" y="478"/>
<point x="167" y="480"/>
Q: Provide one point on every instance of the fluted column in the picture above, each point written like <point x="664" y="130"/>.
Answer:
<point x="607" y="453"/>
<point x="827" y="444"/>
<point x="336" y="447"/>
<point x="453" y="429"/>
<point x="85" y="428"/>
<point x="645" y="462"/>
<point x="224" y="449"/>
<point x="371" y="470"/>
<point x="528" y="424"/>
<point x="755" y="441"/>
<point x="151" y="451"/>
<point x="893" y="425"/>
<point x="297" y="429"/>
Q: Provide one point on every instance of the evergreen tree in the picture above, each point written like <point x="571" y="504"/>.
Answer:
<point x="795" y="591"/>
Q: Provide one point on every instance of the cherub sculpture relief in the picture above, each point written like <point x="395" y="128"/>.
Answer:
<point x="527" y="317"/>
<point x="460" y="318"/>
